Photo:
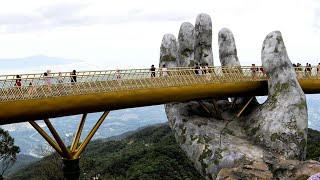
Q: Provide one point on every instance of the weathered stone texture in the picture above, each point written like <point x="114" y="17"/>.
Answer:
<point x="282" y="170"/>
<point x="245" y="147"/>
<point x="203" y="40"/>
<point x="186" y="45"/>
<point x="280" y="124"/>
<point x="227" y="48"/>
<point x="168" y="51"/>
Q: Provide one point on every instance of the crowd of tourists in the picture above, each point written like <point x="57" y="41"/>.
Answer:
<point x="199" y="69"/>
<point x="306" y="71"/>
<point x="48" y="78"/>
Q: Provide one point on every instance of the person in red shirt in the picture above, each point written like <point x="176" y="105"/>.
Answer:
<point x="18" y="81"/>
<point x="18" y="84"/>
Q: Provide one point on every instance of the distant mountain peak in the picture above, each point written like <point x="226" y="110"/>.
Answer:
<point x="34" y="61"/>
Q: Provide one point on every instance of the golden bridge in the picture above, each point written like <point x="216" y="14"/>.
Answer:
<point x="39" y="97"/>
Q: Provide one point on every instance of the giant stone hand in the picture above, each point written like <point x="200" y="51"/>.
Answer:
<point x="267" y="138"/>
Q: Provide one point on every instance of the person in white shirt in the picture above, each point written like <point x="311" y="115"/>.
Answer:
<point x="200" y="69"/>
<point x="118" y="74"/>
<point x="164" y="70"/>
<point x="206" y="68"/>
<point x="206" y="71"/>
<point x="60" y="81"/>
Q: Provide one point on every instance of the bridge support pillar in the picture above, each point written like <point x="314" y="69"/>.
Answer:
<point x="71" y="169"/>
<point x="204" y="107"/>
<point x="245" y="106"/>
<point x="70" y="157"/>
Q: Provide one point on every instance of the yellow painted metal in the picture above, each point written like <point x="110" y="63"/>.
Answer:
<point x="59" y="84"/>
<point x="90" y="135"/>
<point x="96" y="91"/>
<point x="65" y="151"/>
<point x="245" y="106"/>
<point x="46" y="137"/>
<point x="78" y="133"/>
<point x="26" y="110"/>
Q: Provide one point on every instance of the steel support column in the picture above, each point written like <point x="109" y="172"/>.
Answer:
<point x="78" y="133"/>
<point x="245" y="106"/>
<point x="70" y="158"/>
<point x="204" y="106"/>
<point x="46" y="137"/>
<point x="90" y="135"/>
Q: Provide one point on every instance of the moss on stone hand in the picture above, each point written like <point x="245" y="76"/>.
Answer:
<point x="303" y="144"/>
<point x="202" y="123"/>
<point x="207" y="139"/>
<point x="168" y="58"/>
<point x="193" y="137"/>
<point x="228" y="131"/>
<point x="254" y="130"/>
<point x="217" y="156"/>
<point x="182" y="136"/>
<point x="301" y="105"/>
<point x="205" y="154"/>
<point x="279" y="40"/>
<point x="274" y="137"/>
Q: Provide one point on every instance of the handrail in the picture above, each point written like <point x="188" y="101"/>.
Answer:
<point x="33" y="86"/>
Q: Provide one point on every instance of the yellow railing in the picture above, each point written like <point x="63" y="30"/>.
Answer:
<point x="33" y="86"/>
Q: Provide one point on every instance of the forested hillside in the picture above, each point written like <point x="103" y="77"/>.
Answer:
<point x="150" y="153"/>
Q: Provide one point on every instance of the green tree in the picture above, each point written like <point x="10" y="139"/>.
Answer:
<point x="8" y="151"/>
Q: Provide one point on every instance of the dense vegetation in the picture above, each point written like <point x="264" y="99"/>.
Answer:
<point x="150" y="153"/>
<point x="313" y="145"/>
<point x="8" y="151"/>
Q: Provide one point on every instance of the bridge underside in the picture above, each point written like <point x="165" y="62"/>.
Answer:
<point x="38" y="109"/>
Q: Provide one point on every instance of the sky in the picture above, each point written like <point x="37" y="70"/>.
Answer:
<point x="128" y="34"/>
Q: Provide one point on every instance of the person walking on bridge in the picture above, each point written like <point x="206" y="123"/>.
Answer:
<point x="306" y="70"/>
<point x="18" y="80"/>
<point x="47" y="81"/>
<point x="164" y="71"/>
<point x="310" y="70"/>
<point x="200" y="69"/>
<point x="207" y="72"/>
<point x="18" y="84"/>
<point x="47" y="76"/>
<point x="60" y="81"/>
<point x="153" y="71"/>
<point x="253" y="70"/>
<point x="32" y="89"/>
<point x="197" y="69"/>
<point x="300" y="70"/>
<point x="73" y="76"/>
<point x="118" y="76"/>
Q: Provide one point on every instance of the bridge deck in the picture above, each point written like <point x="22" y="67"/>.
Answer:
<point x="52" y="96"/>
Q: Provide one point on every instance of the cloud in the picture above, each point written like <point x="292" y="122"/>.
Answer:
<point x="75" y="15"/>
<point x="62" y="10"/>
<point x="317" y="15"/>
